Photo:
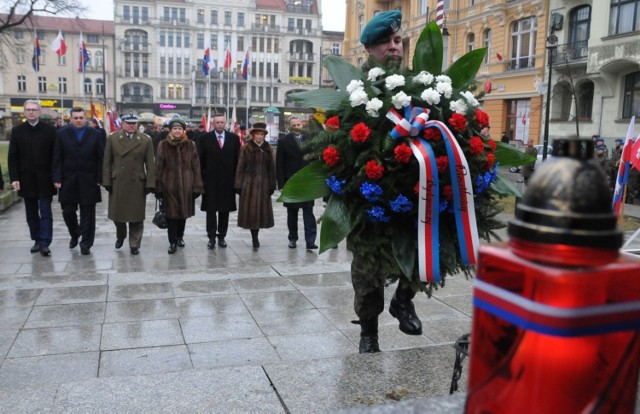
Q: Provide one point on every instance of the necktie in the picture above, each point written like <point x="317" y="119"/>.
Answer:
<point x="220" y="141"/>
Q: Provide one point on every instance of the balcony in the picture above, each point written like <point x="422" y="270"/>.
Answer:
<point x="302" y="31"/>
<point x="133" y="20"/>
<point x="134" y="47"/>
<point x="301" y="56"/>
<point x="571" y="52"/>
<point x="263" y="28"/>
<point x="137" y="98"/>
<point x="300" y="80"/>
<point x="524" y="62"/>
<point x="169" y="21"/>
<point x="291" y="8"/>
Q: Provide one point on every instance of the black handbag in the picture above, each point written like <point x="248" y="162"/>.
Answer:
<point x="159" y="219"/>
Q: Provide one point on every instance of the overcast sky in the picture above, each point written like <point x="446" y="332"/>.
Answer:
<point x="333" y="12"/>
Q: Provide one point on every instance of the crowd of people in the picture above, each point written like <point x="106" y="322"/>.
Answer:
<point x="178" y="165"/>
<point x="610" y="163"/>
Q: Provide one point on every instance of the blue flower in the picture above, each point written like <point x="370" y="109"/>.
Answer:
<point x="376" y="215"/>
<point x="443" y="205"/>
<point x="335" y="185"/>
<point x="371" y="192"/>
<point x="483" y="181"/>
<point x="401" y="204"/>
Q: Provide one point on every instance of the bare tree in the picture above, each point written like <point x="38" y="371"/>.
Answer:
<point x="19" y="12"/>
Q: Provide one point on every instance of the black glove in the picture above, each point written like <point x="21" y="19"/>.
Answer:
<point x="195" y="195"/>
<point x="108" y="188"/>
<point x="159" y="196"/>
<point x="238" y="191"/>
<point x="148" y="190"/>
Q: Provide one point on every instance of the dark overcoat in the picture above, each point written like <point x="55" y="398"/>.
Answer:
<point x="30" y="158"/>
<point x="256" y="181"/>
<point x="178" y="177"/>
<point x="218" y="171"/>
<point x="78" y="165"/>
<point x="289" y="160"/>
<point x="128" y="168"/>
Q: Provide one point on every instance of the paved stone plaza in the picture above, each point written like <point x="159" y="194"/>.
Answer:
<point x="224" y="330"/>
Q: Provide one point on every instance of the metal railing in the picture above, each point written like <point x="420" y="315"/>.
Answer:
<point x="571" y="52"/>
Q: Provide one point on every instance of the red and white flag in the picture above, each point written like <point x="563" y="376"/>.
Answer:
<point x="59" y="46"/>
<point x="227" y="59"/>
<point x="635" y="154"/>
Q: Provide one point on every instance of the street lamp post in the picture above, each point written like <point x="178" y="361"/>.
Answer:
<point x="552" y="41"/>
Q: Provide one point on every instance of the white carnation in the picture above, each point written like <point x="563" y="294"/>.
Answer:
<point x="459" y="106"/>
<point x="400" y="100"/>
<point x="424" y="78"/>
<point x="375" y="73"/>
<point x="444" y="88"/>
<point x="358" y="97"/>
<point x="393" y="81"/>
<point x="471" y="100"/>
<point x="443" y="78"/>
<point x="373" y="106"/>
<point x="430" y="96"/>
<point x="354" y="85"/>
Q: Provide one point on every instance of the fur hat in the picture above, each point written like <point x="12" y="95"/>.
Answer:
<point x="177" y="122"/>
<point x="259" y="126"/>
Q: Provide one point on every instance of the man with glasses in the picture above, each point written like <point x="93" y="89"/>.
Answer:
<point x="77" y="174"/>
<point x="30" y="148"/>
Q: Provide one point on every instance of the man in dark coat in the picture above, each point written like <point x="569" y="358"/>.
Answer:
<point x="128" y="175"/>
<point x="30" y="149"/>
<point x="219" y="151"/>
<point x="77" y="174"/>
<point x="290" y="159"/>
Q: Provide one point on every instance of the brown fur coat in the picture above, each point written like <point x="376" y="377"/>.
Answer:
<point x="256" y="181"/>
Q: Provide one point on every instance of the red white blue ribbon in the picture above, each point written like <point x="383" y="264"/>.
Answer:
<point x="552" y="320"/>
<point x="410" y="124"/>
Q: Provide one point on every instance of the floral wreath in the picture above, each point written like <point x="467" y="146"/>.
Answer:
<point x="409" y="177"/>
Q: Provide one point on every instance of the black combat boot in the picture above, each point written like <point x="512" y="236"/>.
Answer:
<point x="369" y="336"/>
<point x="403" y="310"/>
<point x="254" y="238"/>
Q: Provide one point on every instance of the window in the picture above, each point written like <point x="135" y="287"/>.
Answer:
<point x="170" y="38"/>
<point x="163" y="63"/>
<point x="227" y="42"/>
<point x="200" y="15"/>
<point x="42" y="84"/>
<point x="624" y="16"/>
<point x="62" y="84"/>
<point x="585" y="100"/>
<point x="360" y="23"/>
<point x="178" y="66"/>
<point x="423" y="7"/>
<point x="290" y="25"/>
<point x="214" y="42"/>
<point x="145" y="15"/>
<point x="186" y="65"/>
<point x="136" y="14"/>
<point x="631" y="100"/>
<point x="186" y="39"/>
<point x="62" y="60"/>
<point x="99" y="87"/>
<point x="126" y="13"/>
<point x="200" y="41"/>
<point x="145" y="65"/>
<point x="523" y="43"/>
<point x="241" y="19"/>
<point x="579" y="22"/>
<point x="93" y="38"/>
<point x="19" y="55"/>
<point x="87" y="86"/>
<point x="240" y="43"/>
<point x="227" y="18"/>
<point x="170" y="71"/>
<point x="178" y="39"/>
<point x="99" y="59"/>
<point x="18" y="34"/>
<point x="162" y="38"/>
<point x="561" y="104"/>
<point x="214" y="16"/>
<point x="471" y="42"/>
<point x="335" y="48"/>
<point x="22" y="83"/>
<point x="487" y="45"/>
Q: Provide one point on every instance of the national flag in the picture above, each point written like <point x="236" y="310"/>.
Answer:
<point x="207" y="62"/>
<point x="94" y="114"/>
<point x="623" y="170"/>
<point x="35" y="60"/>
<point x="245" y="66"/>
<point x="84" y="55"/>
<point x="227" y="59"/>
<point x="114" y="121"/>
<point x="524" y="118"/>
<point x="234" y="123"/>
<point x="635" y="154"/>
<point x="440" y="13"/>
<point x="499" y="57"/>
<point x="59" y="46"/>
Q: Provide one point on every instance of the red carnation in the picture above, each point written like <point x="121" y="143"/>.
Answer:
<point x="402" y="153"/>
<point x="490" y="160"/>
<point x="482" y="118"/>
<point x="442" y="163"/>
<point x="331" y="156"/>
<point x="432" y="134"/>
<point x="492" y="145"/>
<point x="374" y="170"/>
<point x="447" y="192"/>
<point x="477" y="145"/>
<point x="458" y="122"/>
<point x="333" y="123"/>
<point x="360" y="132"/>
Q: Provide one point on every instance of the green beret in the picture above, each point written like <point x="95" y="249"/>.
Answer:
<point x="381" y="26"/>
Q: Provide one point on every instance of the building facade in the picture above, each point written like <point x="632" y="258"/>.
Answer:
<point x="514" y="33"/>
<point x="58" y="83"/>
<point x="161" y="45"/>
<point x="595" y="87"/>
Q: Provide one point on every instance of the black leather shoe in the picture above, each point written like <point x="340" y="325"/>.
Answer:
<point x="405" y="313"/>
<point x="119" y="243"/>
<point x="369" y="345"/>
<point x="311" y="246"/>
<point x="135" y="250"/>
<point x="180" y="242"/>
<point x="292" y="244"/>
<point x="73" y="242"/>
<point x="221" y="242"/>
<point x="35" y="248"/>
<point x="211" y="244"/>
<point x="85" y="250"/>
<point x="172" y="248"/>
<point x="44" y="250"/>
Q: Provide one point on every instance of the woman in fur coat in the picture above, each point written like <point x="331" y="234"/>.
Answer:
<point x="178" y="180"/>
<point x="256" y="182"/>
